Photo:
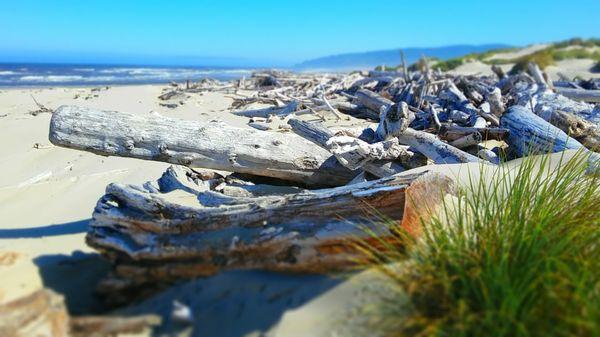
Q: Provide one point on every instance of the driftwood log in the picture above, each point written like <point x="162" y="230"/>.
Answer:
<point x="579" y="120"/>
<point x="435" y="149"/>
<point x="158" y="237"/>
<point x="211" y="145"/>
<point x="531" y="134"/>
<point x="592" y="96"/>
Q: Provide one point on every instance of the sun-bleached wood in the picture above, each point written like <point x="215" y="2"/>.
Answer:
<point x="592" y="96"/>
<point x="435" y="149"/>
<point x="320" y="135"/>
<point x="211" y="145"/>
<point x="152" y="238"/>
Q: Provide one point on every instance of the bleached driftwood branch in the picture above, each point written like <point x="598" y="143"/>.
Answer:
<point x="194" y="144"/>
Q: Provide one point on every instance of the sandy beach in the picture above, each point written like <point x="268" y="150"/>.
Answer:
<point x="48" y="193"/>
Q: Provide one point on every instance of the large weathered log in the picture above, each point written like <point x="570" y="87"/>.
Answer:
<point x="210" y="145"/>
<point x="433" y="148"/>
<point x="579" y="120"/>
<point x="530" y="133"/>
<point x="160" y="237"/>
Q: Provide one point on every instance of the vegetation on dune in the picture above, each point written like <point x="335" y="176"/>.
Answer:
<point x="578" y="42"/>
<point x="542" y="58"/>
<point x="570" y="49"/>
<point x="514" y="258"/>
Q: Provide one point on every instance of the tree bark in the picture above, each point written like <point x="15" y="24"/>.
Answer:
<point x="194" y="144"/>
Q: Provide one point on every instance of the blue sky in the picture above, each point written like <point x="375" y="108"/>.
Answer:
<point x="273" y="32"/>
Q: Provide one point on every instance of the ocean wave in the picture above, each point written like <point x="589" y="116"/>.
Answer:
<point x="85" y="70"/>
<point x="8" y="72"/>
<point x="106" y="75"/>
<point x="51" y="78"/>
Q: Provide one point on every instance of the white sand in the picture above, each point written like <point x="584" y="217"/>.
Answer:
<point x="476" y="67"/>
<point x="518" y="53"/>
<point x="47" y="194"/>
<point x="572" y="68"/>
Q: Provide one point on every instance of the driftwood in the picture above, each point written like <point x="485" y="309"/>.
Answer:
<point x="435" y="149"/>
<point x="455" y="132"/>
<point x="320" y="135"/>
<point x="529" y="133"/>
<point x="494" y="97"/>
<point x="355" y="153"/>
<point x="394" y="120"/>
<point x="42" y="313"/>
<point x="579" y="120"/>
<point x="152" y="240"/>
<point x="592" y="96"/>
<point x="191" y="223"/>
<point x="210" y="145"/>
<point x="106" y="326"/>
<point x="373" y="101"/>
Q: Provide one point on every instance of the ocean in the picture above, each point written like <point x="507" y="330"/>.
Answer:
<point x="30" y="75"/>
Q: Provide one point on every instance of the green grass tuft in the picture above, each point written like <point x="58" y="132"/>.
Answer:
<point x="516" y="257"/>
<point x="542" y="58"/>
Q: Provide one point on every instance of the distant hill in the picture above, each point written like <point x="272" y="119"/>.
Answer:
<point x="391" y="57"/>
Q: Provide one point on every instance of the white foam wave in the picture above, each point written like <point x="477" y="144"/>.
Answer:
<point x="51" y="78"/>
<point x="8" y="72"/>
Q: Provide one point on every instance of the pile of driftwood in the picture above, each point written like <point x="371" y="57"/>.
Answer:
<point x="290" y="200"/>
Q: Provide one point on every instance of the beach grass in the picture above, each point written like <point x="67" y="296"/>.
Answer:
<point x="517" y="255"/>
<point x="575" y="48"/>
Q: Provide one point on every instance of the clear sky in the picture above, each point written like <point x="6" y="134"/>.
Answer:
<point x="273" y="32"/>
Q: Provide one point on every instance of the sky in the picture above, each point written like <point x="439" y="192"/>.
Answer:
<point x="272" y="33"/>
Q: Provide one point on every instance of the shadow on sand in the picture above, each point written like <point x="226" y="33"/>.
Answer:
<point x="75" y="277"/>
<point x="74" y="227"/>
<point x="234" y="303"/>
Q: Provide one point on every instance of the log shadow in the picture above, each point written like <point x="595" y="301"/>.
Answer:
<point x="234" y="303"/>
<point x="66" y="228"/>
<point x="75" y="277"/>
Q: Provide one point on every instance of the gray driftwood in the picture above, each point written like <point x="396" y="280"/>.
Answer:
<point x="320" y="135"/>
<point x="592" y="96"/>
<point x="373" y="101"/>
<point x="579" y="120"/>
<point x="435" y="149"/>
<point x="530" y="134"/>
<point x="210" y="145"/>
<point x="156" y="237"/>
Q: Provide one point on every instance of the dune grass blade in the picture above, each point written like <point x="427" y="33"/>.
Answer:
<point x="515" y="255"/>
